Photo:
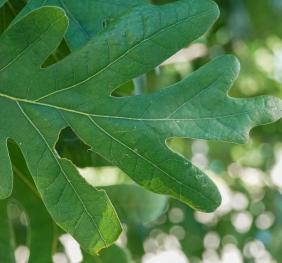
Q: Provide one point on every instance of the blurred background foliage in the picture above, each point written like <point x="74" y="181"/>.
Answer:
<point x="248" y="225"/>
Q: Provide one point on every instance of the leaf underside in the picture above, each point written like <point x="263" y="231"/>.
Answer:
<point x="130" y="132"/>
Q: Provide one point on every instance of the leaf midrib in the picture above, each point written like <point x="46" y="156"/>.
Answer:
<point x="113" y="138"/>
<point x="150" y="162"/>
<point x="103" y="69"/>
<point x="118" y="117"/>
<point x="63" y="172"/>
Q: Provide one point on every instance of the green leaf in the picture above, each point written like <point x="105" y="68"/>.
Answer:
<point x="77" y="207"/>
<point x="5" y="172"/>
<point x="87" y="18"/>
<point x="130" y="132"/>
<point x="134" y="205"/>
<point x="41" y="225"/>
<point x="60" y="75"/>
<point x="143" y="206"/>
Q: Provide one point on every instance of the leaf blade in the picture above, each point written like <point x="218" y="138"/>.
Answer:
<point x="86" y="20"/>
<point x="124" y="131"/>
<point x="64" y="188"/>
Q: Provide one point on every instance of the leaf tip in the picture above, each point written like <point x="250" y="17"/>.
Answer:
<point x="57" y="12"/>
<point x="215" y="202"/>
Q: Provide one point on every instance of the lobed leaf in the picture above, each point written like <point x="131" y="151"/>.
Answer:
<point x="131" y="132"/>
<point x="77" y="207"/>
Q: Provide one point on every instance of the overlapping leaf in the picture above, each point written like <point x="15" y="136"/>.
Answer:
<point x="37" y="103"/>
<point x="87" y="18"/>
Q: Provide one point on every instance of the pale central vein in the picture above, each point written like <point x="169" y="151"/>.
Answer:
<point x="150" y="162"/>
<point x="64" y="174"/>
<point x="118" y="117"/>
<point x="162" y="30"/>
